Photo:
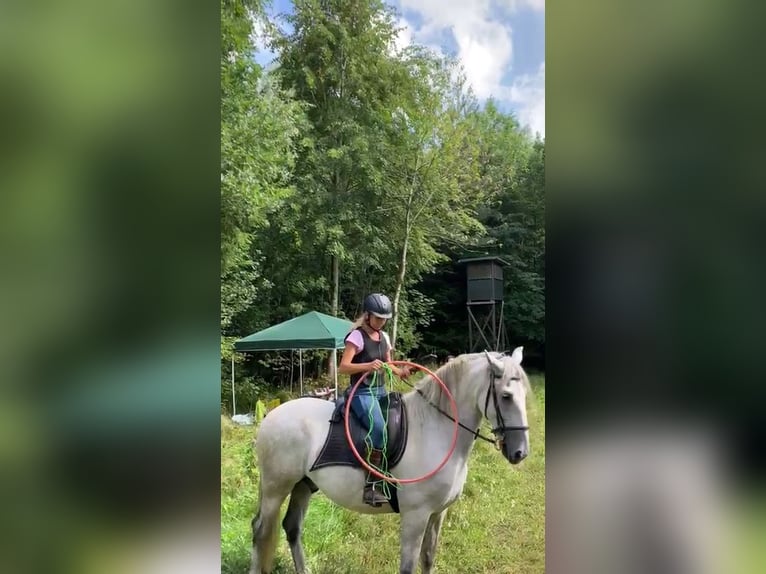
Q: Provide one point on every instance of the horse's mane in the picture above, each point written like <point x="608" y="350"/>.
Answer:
<point x="451" y="374"/>
<point x="430" y="390"/>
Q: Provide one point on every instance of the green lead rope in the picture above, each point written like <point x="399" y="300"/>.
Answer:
<point x="388" y="381"/>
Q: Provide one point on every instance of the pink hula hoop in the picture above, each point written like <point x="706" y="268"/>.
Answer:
<point x="373" y="470"/>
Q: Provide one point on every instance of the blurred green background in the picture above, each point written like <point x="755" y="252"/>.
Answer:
<point x="109" y="299"/>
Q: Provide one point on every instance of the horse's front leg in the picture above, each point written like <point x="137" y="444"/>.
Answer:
<point x="431" y="539"/>
<point x="413" y="526"/>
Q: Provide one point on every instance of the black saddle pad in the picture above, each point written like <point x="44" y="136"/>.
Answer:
<point x="336" y="451"/>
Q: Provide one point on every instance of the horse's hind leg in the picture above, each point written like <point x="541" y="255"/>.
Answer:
<point x="293" y="523"/>
<point x="430" y="540"/>
<point x="265" y="531"/>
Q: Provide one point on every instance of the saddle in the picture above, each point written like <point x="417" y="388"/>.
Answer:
<point x="336" y="451"/>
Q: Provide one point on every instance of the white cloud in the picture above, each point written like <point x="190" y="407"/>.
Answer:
<point x="528" y="93"/>
<point x="403" y="36"/>
<point x="444" y="13"/>
<point x="485" y="49"/>
<point x="258" y="33"/>
<point x="484" y="45"/>
<point x="515" y="5"/>
<point x="406" y="36"/>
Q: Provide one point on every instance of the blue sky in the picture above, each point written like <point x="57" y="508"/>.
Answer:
<point x="500" y="43"/>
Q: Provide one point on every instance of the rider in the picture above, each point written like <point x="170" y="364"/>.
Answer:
<point x="367" y="348"/>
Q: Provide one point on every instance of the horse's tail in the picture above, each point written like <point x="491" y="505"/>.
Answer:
<point x="265" y="532"/>
<point x="260" y="498"/>
<point x="256" y="521"/>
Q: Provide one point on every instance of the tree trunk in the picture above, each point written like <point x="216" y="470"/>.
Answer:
<point x="408" y="221"/>
<point x="334" y="306"/>
<point x="335" y="285"/>
<point x="399" y="284"/>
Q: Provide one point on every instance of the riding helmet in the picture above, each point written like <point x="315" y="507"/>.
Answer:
<point x="379" y="305"/>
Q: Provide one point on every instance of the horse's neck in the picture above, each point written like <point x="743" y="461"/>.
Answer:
<point x="468" y="415"/>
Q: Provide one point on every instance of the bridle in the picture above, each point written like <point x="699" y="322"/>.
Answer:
<point x="501" y="426"/>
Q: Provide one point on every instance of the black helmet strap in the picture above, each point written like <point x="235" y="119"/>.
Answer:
<point x="367" y="322"/>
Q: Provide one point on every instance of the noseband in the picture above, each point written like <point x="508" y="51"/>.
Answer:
<point x="501" y="426"/>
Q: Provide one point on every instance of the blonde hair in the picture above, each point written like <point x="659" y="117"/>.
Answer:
<point x="358" y="323"/>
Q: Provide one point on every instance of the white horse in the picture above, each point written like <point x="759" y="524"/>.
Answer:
<point x="483" y="385"/>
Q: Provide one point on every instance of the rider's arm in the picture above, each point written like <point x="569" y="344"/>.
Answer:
<point x="401" y="372"/>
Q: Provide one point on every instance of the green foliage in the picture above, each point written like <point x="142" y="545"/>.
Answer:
<point x="350" y="168"/>
<point x="335" y="60"/>
<point x="283" y="396"/>
<point x="248" y="390"/>
<point x="260" y="128"/>
<point x="512" y="177"/>
<point x="516" y="225"/>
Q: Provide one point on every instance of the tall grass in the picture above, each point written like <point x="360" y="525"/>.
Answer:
<point x="497" y="526"/>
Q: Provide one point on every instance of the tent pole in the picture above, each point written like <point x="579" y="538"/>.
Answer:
<point x="335" y="370"/>
<point x="292" y="352"/>
<point x="233" y="396"/>
<point x="300" y="362"/>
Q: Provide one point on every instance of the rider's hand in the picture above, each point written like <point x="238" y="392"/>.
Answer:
<point x="405" y="372"/>
<point x="376" y="364"/>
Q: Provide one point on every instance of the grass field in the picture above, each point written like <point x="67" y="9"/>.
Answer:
<point x="497" y="526"/>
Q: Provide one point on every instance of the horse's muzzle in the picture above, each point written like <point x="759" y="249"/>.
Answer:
<point x="517" y="457"/>
<point x="514" y="454"/>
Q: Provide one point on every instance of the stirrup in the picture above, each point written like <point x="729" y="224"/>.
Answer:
<point x="372" y="496"/>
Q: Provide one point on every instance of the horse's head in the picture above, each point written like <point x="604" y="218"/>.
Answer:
<point x="504" y="403"/>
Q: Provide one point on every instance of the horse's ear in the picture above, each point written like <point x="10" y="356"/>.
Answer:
<point x="517" y="355"/>
<point x="496" y="364"/>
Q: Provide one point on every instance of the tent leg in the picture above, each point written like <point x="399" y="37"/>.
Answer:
<point x="300" y="362"/>
<point x="335" y="370"/>
<point x="233" y="396"/>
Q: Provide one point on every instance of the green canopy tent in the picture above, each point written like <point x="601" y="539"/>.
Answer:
<point x="312" y="330"/>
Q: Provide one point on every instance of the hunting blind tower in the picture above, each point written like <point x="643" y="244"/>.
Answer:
<point x="484" y="301"/>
